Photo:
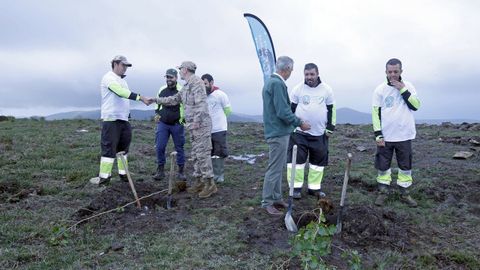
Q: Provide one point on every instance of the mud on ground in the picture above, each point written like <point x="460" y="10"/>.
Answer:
<point x="441" y="184"/>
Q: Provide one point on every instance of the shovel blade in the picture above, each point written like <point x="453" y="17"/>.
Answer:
<point x="169" y="201"/>
<point x="339" y="228"/>
<point x="289" y="223"/>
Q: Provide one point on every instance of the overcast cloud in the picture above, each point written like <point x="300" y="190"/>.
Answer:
<point x="54" y="53"/>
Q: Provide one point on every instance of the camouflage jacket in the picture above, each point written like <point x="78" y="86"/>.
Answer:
<point x="194" y="99"/>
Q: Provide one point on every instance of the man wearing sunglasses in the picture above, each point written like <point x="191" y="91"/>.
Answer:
<point x="170" y="122"/>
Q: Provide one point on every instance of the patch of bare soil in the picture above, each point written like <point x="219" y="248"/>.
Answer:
<point x="12" y="192"/>
<point x="365" y="227"/>
<point x="152" y="216"/>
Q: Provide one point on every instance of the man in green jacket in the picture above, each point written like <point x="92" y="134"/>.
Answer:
<point x="279" y="122"/>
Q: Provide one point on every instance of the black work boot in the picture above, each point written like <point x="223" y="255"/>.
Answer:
<point x="160" y="173"/>
<point x="297" y="193"/>
<point x="180" y="174"/>
<point x="123" y="177"/>
<point x="316" y="192"/>
<point x="104" y="181"/>
<point x="383" y="191"/>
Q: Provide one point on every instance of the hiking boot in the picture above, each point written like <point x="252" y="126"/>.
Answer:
<point x="280" y="204"/>
<point x="406" y="198"/>
<point x="273" y="211"/>
<point x="197" y="187"/>
<point x="180" y="175"/>
<point x="104" y="181"/>
<point x="209" y="189"/>
<point x="297" y="193"/>
<point x="383" y="191"/>
<point x="380" y="200"/>
<point x="123" y="177"/>
<point x="160" y="173"/>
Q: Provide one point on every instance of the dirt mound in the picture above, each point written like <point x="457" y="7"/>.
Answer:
<point x="153" y="216"/>
<point x="13" y="192"/>
<point x="119" y="194"/>
<point x="129" y="218"/>
<point x="367" y="226"/>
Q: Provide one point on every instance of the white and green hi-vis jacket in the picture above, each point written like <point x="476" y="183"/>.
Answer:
<point x="116" y="97"/>
<point x="393" y="121"/>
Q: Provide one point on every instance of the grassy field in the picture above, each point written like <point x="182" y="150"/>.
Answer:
<point x="46" y="165"/>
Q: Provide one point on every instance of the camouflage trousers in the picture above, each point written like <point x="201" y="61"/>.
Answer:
<point x="201" y="150"/>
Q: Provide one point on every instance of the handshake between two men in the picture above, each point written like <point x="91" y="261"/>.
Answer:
<point x="148" y="100"/>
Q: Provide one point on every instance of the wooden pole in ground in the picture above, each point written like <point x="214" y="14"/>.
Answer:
<point x="121" y="156"/>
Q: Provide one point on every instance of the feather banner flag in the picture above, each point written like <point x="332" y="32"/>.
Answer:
<point x="263" y="44"/>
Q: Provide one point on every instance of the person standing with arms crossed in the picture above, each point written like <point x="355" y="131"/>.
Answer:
<point x="394" y="102"/>
<point x="279" y="122"/>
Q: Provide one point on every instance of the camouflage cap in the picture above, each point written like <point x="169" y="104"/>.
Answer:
<point x="122" y="59"/>
<point x="188" y="65"/>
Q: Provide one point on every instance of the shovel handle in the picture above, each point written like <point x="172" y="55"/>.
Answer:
<point x="292" y="174"/>
<point x="121" y="156"/>
<point x="173" y="156"/>
<point x="345" y="179"/>
<point x="344" y="193"/>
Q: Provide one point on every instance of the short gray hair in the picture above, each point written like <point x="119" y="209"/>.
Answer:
<point x="284" y="63"/>
<point x="393" y="62"/>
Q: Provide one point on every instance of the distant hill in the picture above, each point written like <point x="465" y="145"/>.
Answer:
<point x="350" y="116"/>
<point x="344" y="116"/>
<point x="74" y="115"/>
<point x="239" y="117"/>
<point x="142" y="115"/>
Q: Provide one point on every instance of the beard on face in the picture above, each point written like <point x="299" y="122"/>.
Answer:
<point x="171" y="83"/>
<point x="208" y="90"/>
<point x="312" y="82"/>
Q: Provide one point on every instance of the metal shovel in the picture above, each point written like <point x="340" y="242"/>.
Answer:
<point x="289" y="223"/>
<point x="344" y="193"/>
<point x="121" y="156"/>
<point x="173" y="156"/>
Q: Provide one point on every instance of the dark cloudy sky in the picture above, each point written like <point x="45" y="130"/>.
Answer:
<point x="54" y="53"/>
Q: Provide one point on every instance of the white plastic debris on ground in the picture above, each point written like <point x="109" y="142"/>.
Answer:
<point x="249" y="158"/>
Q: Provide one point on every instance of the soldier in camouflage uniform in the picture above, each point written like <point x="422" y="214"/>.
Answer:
<point x="199" y="125"/>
